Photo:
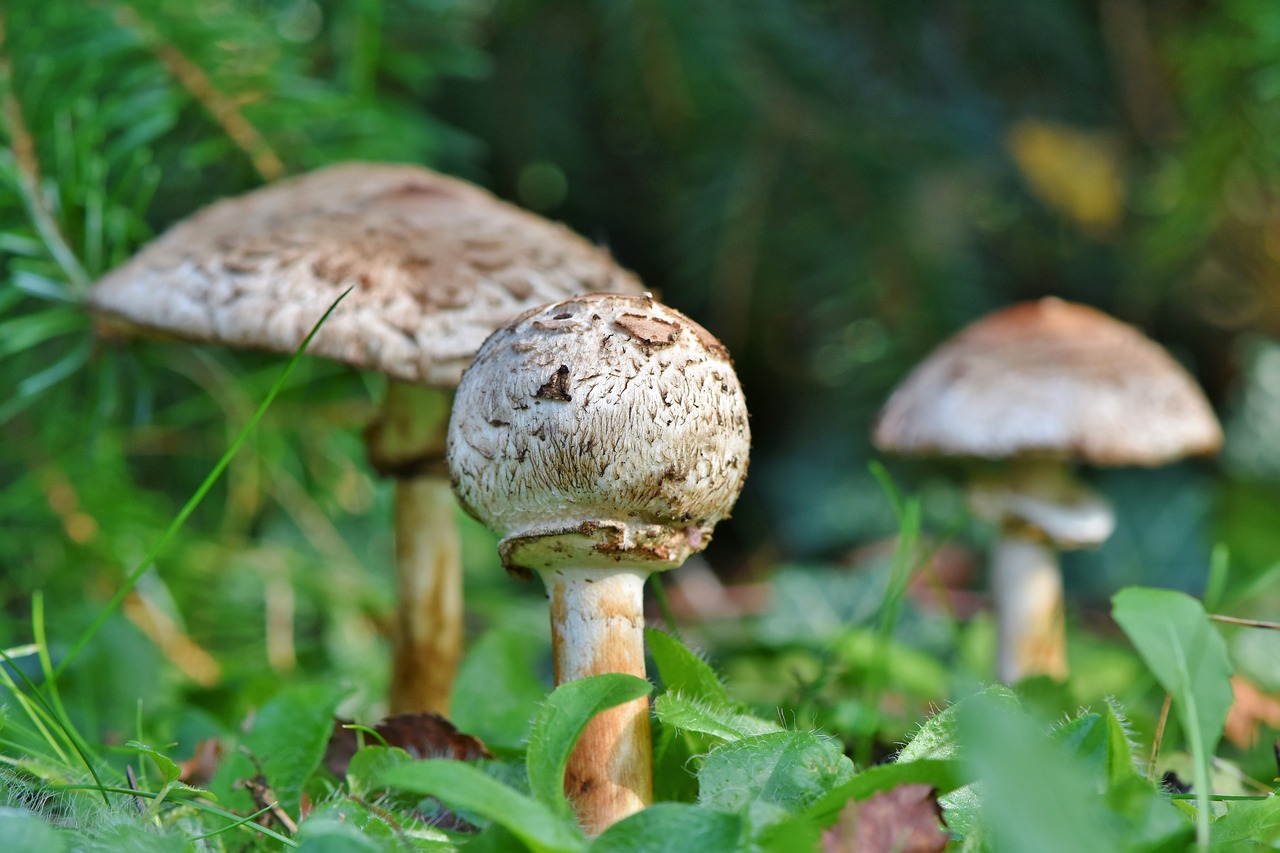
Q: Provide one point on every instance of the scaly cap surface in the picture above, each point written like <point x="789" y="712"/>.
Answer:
<point x="437" y="264"/>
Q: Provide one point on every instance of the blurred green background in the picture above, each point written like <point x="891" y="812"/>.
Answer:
<point x="830" y="187"/>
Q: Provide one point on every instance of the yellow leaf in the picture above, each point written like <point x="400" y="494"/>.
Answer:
<point x="1073" y="171"/>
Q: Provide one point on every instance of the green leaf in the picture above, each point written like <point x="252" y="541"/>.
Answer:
<point x="939" y="737"/>
<point x="1100" y="743"/>
<point x="682" y="712"/>
<point x="560" y="723"/>
<point x="169" y="769"/>
<point x="462" y="786"/>
<point x="673" y="828"/>
<point x="1188" y="656"/>
<point x="944" y="775"/>
<point x="500" y="718"/>
<point x="289" y="737"/>
<point x="1033" y="794"/>
<point x="1248" y="823"/>
<point x="682" y="671"/>
<point x="367" y="766"/>
<point x="772" y="777"/>
<point x="331" y="835"/>
<point x="24" y="832"/>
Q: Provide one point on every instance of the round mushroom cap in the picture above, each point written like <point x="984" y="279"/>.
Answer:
<point x="602" y="429"/>
<point x="1050" y="378"/>
<point x="435" y="265"/>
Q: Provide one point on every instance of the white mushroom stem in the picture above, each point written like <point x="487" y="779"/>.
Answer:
<point x="597" y="626"/>
<point x="429" y="614"/>
<point x="1027" y="585"/>
<point x="1041" y="509"/>
<point x="407" y="440"/>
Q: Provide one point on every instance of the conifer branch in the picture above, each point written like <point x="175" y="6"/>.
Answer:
<point x="222" y="108"/>
<point x="23" y="146"/>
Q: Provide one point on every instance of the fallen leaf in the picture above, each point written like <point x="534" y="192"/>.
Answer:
<point x="422" y="735"/>
<point x="1074" y="171"/>
<point x="1249" y="707"/>
<point x="905" y="819"/>
<point x="199" y="768"/>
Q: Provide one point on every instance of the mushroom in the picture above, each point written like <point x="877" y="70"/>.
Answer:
<point x="434" y="266"/>
<point x="1040" y="384"/>
<point x="602" y="437"/>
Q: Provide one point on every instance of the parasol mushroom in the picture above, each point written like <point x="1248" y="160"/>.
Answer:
<point x="602" y="437"/>
<point x="436" y="265"/>
<point x="1038" y="385"/>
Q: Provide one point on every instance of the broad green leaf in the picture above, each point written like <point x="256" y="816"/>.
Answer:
<point x="944" y="775"/>
<point x="500" y="718"/>
<point x="939" y="738"/>
<point x="1188" y="656"/>
<point x="682" y="671"/>
<point x="462" y="786"/>
<point x="560" y="723"/>
<point x="24" y="832"/>
<point x="1248" y="823"/>
<point x="673" y="828"/>
<point x="367" y="765"/>
<point x="1100" y="744"/>
<point x="772" y="777"/>
<point x="289" y="737"/>
<point x="331" y="835"/>
<point x="1033" y="794"/>
<point x="682" y="712"/>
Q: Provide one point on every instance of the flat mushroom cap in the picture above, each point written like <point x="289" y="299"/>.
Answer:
<point x="436" y="265"/>
<point x="609" y="426"/>
<point x="1050" y="378"/>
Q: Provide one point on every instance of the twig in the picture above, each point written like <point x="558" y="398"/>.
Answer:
<point x="223" y="109"/>
<point x="1155" y="743"/>
<point x="23" y="146"/>
<point x="1248" y="623"/>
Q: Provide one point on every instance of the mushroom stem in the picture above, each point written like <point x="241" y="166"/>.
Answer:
<point x="429" y="606"/>
<point x="597" y="626"/>
<point x="406" y="440"/>
<point x="1027" y="584"/>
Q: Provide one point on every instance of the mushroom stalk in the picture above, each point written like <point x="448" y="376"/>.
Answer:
<point x="597" y="626"/>
<point x="1029" y="609"/>
<point x="429" y="629"/>
<point x="406" y="440"/>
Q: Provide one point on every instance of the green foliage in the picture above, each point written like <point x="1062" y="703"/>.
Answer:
<point x="1187" y="654"/>
<point x="560" y="723"/>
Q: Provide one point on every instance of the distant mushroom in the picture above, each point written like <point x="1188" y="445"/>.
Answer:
<point x="1040" y="384"/>
<point x="602" y="437"/>
<point x="436" y="265"/>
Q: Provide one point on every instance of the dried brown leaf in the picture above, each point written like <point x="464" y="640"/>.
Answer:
<point x="905" y="819"/>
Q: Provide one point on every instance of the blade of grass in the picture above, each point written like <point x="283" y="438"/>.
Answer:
<point x="136" y="573"/>
<point x="237" y="820"/>
<point x="59" y="719"/>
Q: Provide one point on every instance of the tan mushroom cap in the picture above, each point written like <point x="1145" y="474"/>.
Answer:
<point x="1050" y="378"/>
<point x="612" y="425"/>
<point x="436" y="265"/>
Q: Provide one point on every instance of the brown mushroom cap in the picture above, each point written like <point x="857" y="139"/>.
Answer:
<point x="436" y="265"/>
<point x="1051" y="378"/>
